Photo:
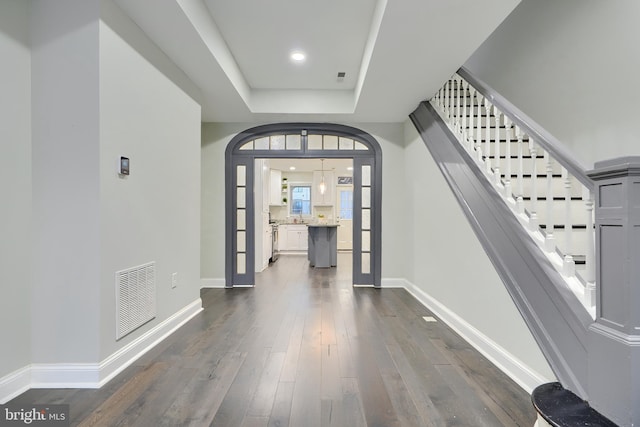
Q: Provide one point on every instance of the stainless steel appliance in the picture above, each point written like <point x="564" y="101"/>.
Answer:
<point x="274" y="243"/>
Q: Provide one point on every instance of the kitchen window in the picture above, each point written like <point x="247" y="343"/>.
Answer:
<point x="300" y="199"/>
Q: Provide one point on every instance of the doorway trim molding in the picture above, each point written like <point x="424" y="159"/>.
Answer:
<point x="363" y="159"/>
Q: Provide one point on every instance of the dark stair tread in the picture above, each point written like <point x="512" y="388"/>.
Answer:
<point x="484" y="127"/>
<point x="544" y="198"/>
<point x="514" y="141"/>
<point x="528" y="175"/>
<point x="527" y="157"/>
<point x="562" y="227"/>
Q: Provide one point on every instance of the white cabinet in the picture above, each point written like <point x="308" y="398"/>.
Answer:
<point x="267" y="246"/>
<point x="328" y="198"/>
<point x="261" y="186"/>
<point x="293" y="237"/>
<point x="275" y="187"/>
<point x="261" y="215"/>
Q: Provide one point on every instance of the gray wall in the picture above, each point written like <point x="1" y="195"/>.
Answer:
<point x="448" y="263"/>
<point x="102" y="90"/>
<point x="571" y="65"/>
<point x="215" y="137"/>
<point x="15" y="186"/>
<point x="66" y="182"/>
<point x="154" y="214"/>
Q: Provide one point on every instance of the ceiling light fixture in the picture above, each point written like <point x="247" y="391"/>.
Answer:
<point x="292" y="168"/>
<point x="323" y="186"/>
<point x="298" y="56"/>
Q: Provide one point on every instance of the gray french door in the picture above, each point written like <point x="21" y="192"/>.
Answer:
<point x="366" y="222"/>
<point x="240" y="237"/>
<point x="302" y="141"/>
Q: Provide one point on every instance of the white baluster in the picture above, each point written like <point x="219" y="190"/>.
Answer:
<point x="479" y="129"/>
<point x="487" y="138"/>
<point x="497" y="151"/>
<point x="452" y="89"/>
<point x="472" y="107"/>
<point x="465" y="88"/>
<point x="533" y="219"/>
<point x="590" y="262"/>
<point x="507" y="175"/>
<point x="459" y="98"/>
<point x="520" y="182"/>
<point x="569" y="265"/>
<point x="447" y="103"/>
<point x="450" y="102"/>
<point x="549" y="241"/>
<point x="460" y="95"/>
<point x="446" y="100"/>
<point x="454" y="97"/>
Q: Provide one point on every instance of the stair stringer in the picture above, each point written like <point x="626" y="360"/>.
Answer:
<point x="556" y="319"/>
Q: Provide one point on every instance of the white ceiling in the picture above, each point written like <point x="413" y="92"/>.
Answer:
<point x="332" y="32"/>
<point x="395" y="53"/>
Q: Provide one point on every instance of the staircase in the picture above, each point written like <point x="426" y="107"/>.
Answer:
<point x="531" y="205"/>
<point x="547" y="190"/>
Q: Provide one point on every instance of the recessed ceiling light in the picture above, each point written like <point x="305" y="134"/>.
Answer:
<point x="350" y="168"/>
<point x="292" y="168"/>
<point x="298" y="56"/>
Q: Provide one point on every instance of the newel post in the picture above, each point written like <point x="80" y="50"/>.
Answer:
<point x="614" y="338"/>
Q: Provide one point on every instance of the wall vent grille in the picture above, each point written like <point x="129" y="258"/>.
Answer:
<point x="135" y="298"/>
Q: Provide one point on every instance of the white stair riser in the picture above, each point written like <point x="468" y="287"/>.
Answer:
<point x="465" y="100"/>
<point x="483" y="123"/>
<point x="579" y="239"/>
<point x="527" y="165"/>
<point x="578" y="211"/>
<point x="558" y="189"/>
<point x="503" y="147"/>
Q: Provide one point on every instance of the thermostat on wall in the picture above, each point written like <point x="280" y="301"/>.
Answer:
<point x="124" y="166"/>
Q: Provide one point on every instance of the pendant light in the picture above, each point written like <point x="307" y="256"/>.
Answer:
<point x="323" y="186"/>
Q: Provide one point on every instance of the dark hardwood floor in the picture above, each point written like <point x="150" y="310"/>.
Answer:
<point x="304" y="348"/>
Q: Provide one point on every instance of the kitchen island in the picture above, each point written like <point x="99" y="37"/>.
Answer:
<point x="323" y="245"/>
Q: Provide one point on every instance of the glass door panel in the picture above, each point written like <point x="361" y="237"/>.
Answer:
<point x="240" y="240"/>
<point x="365" y="201"/>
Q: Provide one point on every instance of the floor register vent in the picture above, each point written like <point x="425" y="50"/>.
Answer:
<point x="135" y="298"/>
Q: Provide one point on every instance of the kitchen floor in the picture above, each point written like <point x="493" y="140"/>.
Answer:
<point x="305" y="348"/>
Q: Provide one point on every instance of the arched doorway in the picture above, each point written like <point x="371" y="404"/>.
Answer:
<point x="303" y="140"/>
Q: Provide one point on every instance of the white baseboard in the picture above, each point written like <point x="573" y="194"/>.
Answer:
<point x="88" y="375"/>
<point x="393" y="282"/>
<point x="117" y="362"/>
<point x="212" y="283"/>
<point x="541" y="422"/>
<point x="65" y="375"/>
<point x="93" y="375"/>
<point x="14" y="384"/>
<point x="513" y="367"/>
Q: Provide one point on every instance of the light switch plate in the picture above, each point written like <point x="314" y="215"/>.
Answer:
<point x="174" y="280"/>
